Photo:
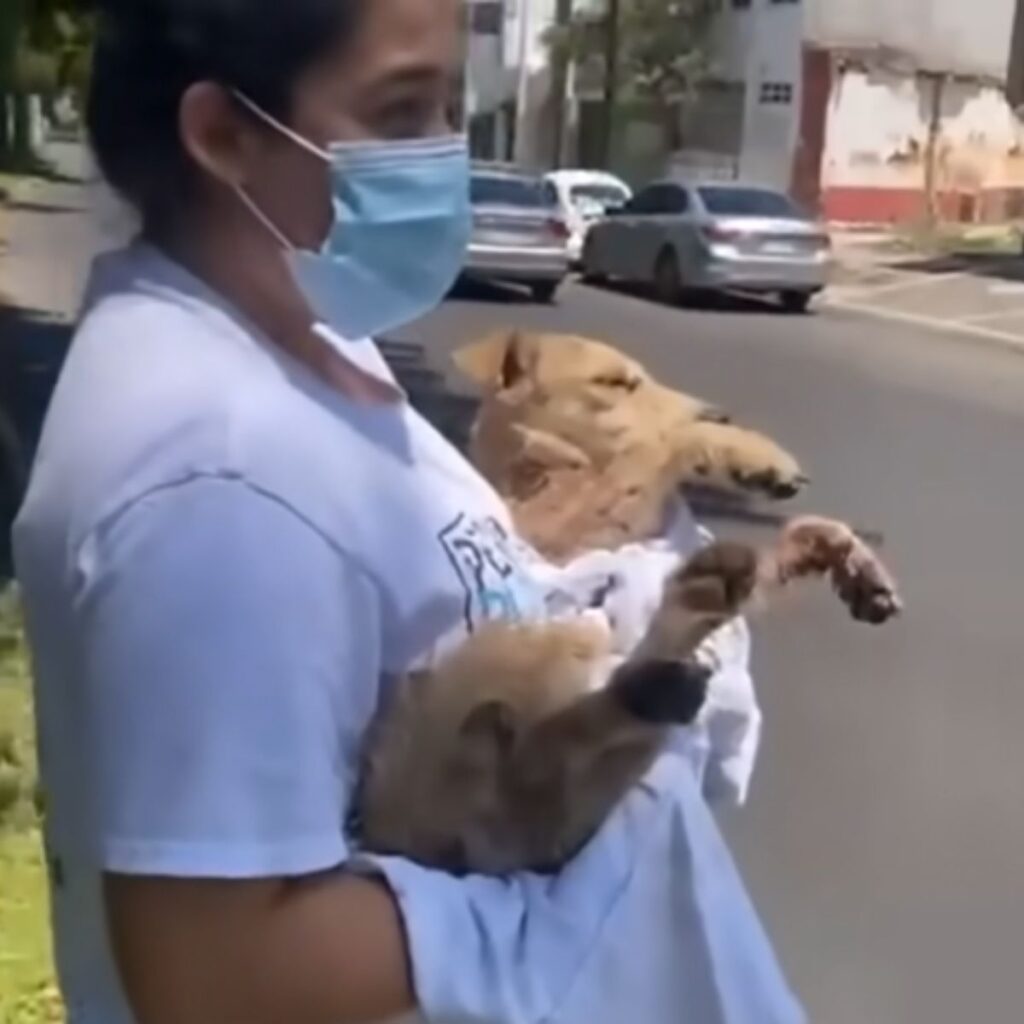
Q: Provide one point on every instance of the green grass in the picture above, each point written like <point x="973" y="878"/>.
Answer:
<point x="27" y="993"/>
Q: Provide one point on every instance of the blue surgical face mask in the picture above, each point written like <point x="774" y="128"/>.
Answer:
<point x="401" y="225"/>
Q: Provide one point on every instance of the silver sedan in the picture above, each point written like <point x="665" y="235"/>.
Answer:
<point x="719" y="236"/>
<point x="519" y="235"/>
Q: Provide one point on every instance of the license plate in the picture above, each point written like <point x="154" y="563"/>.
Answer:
<point x="516" y="238"/>
<point x="780" y="248"/>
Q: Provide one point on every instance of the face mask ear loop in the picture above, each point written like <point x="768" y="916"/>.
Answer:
<point x="278" y="126"/>
<point x="254" y="209"/>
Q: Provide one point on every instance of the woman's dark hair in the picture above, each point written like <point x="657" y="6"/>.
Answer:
<point x="148" y="53"/>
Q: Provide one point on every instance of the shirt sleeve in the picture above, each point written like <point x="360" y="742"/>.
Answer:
<point x="230" y="663"/>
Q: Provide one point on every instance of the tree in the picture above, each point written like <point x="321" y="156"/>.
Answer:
<point x="44" y="47"/>
<point x="661" y="54"/>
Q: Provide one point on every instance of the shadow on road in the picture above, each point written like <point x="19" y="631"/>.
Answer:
<point x="466" y="290"/>
<point x="701" y="302"/>
<point x="998" y="266"/>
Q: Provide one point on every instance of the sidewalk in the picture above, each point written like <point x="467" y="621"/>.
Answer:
<point x="974" y="294"/>
<point x="51" y="231"/>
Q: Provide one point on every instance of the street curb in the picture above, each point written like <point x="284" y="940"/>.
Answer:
<point x="1000" y="339"/>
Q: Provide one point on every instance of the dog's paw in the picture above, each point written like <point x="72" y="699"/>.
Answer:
<point x="715" y="582"/>
<point x="731" y="458"/>
<point x="663" y="692"/>
<point x="812" y="546"/>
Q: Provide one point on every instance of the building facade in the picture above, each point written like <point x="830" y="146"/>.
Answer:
<point x="905" y="114"/>
<point x="867" y="110"/>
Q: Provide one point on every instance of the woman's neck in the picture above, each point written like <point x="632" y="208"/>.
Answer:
<point x="251" y="274"/>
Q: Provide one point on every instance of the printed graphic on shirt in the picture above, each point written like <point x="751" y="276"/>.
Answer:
<point x="483" y="557"/>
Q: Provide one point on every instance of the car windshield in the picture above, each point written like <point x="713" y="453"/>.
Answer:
<point x="507" y="190"/>
<point x="595" y="192"/>
<point x="747" y="202"/>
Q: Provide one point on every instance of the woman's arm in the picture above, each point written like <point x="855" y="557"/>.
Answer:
<point x="230" y="664"/>
<point x="329" y="949"/>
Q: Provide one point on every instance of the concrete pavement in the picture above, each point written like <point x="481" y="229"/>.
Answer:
<point x="884" y="840"/>
<point x="979" y="295"/>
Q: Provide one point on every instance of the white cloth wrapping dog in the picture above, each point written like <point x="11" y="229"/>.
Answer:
<point x="626" y="587"/>
<point x="650" y="923"/>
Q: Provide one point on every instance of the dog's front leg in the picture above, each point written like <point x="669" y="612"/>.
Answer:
<point x="733" y="458"/>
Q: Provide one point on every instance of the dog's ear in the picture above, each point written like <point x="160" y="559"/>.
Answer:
<point x="499" y="360"/>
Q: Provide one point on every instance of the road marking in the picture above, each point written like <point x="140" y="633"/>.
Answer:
<point x="1006" y="288"/>
<point x="1004" y="338"/>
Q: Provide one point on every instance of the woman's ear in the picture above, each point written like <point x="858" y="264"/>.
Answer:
<point x="215" y="133"/>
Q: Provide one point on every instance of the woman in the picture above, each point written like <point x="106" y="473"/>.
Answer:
<point x="237" y="532"/>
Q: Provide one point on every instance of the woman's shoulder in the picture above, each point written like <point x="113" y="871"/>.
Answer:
<point x="160" y="385"/>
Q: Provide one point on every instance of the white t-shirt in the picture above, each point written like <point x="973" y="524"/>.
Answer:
<point x="224" y="563"/>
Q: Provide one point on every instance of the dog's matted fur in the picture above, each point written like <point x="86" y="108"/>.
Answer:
<point x="505" y="755"/>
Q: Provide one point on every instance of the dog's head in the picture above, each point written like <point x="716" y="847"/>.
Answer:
<point x="569" y="402"/>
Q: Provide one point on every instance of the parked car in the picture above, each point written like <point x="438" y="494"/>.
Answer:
<point x="584" y="197"/>
<point x="519" y="235"/>
<point x="719" y="236"/>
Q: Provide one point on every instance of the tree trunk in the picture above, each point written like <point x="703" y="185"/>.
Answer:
<point x="21" y="130"/>
<point x="671" y="125"/>
<point x="611" y="82"/>
<point x="6" y="143"/>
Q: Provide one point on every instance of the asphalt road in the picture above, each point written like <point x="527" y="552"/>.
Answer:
<point x="884" y="839"/>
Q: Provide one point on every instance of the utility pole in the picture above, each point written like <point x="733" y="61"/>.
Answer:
<point x="560" y="85"/>
<point x="611" y="80"/>
<point x="521" y="154"/>
<point x="937" y="84"/>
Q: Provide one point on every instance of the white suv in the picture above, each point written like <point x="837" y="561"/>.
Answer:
<point x="583" y="198"/>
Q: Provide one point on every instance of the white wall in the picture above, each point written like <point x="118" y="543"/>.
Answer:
<point x="773" y="39"/>
<point x="877" y="135"/>
<point x="970" y="37"/>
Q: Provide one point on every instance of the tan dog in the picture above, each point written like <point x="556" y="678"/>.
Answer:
<point x="587" y="448"/>
<point x="506" y="758"/>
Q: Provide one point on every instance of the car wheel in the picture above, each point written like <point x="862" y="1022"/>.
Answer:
<point x="796" y="302"/>
<point x="668" y="282"/>
<point x="586" y="262"/>
<point x="544" y="291"/>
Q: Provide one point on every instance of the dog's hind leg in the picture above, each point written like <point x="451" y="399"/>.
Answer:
<point x="570" y="769"/>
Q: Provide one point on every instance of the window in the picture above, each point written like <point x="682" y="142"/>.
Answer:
<point x="486" y="17"/>
<point x="734" y="201"/>
<point x="660" y="199"/>
<point x="510" y="190"/>
<point x="605" y="195"/>
<point x="776" y="92"/>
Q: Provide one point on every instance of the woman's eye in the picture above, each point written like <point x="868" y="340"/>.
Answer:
<point x="407" y="118"/>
